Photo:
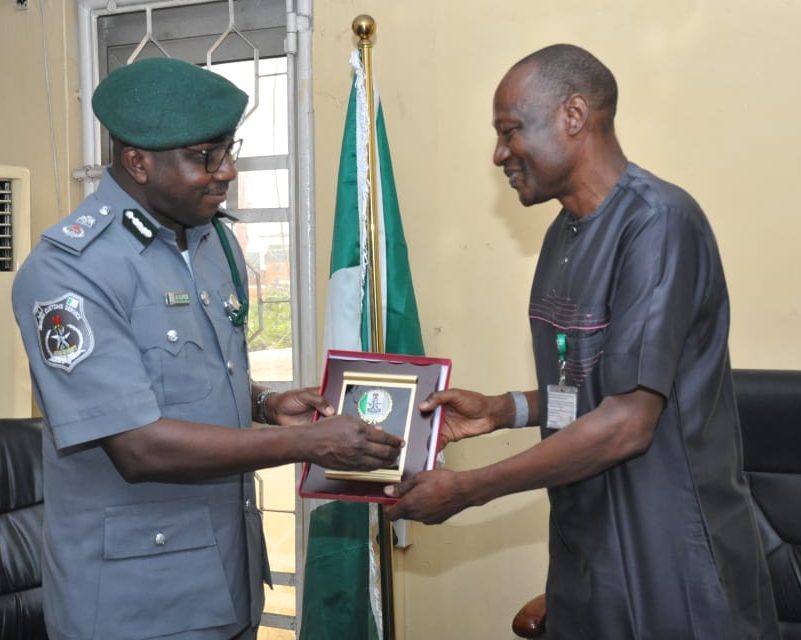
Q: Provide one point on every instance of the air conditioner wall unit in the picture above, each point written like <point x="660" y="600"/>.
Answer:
<point x="15" y="244"/>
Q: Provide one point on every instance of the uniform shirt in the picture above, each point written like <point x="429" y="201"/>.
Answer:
<point x="119" y="333"/>
<point x="663" y="545"/>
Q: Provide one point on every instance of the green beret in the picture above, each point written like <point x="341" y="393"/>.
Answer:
<point x="163" y="103"/>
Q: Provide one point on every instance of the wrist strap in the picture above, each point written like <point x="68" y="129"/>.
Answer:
<point x="521" y="409"/>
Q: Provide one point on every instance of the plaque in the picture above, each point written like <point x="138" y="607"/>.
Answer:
<point x="383" y="390"/>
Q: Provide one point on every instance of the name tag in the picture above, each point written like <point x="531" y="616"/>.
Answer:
<point x="562" y="403"/>
<point x="176" y="298"/>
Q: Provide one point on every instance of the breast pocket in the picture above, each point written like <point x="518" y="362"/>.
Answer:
<point x="585" y="343"/>
<point x="173" y="353"/>
<point x="161" y="572"/>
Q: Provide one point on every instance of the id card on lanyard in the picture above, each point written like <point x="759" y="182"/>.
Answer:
<point x="562" y="398"/>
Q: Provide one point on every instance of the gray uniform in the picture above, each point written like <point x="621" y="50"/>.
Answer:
<point x="664" y="545"/>
<point x="119" y="333"/>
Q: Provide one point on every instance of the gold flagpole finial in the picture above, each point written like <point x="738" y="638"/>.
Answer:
<point x="364" y="27"/>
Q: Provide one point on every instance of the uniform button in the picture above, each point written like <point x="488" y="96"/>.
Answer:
<point x="573" y="229"/>
<point x="565" y="259"/>
<point x="161" y="539"/>
<point x="204" y="297"/>
<point x="172" y="335"/>
<point x="230" y="366"/>
<point x="248" y="504"/>
<point x="104" y="210"/>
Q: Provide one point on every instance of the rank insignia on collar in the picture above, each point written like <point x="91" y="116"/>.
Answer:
<point x="65" y="336"/>
<point x="141" y="228"/>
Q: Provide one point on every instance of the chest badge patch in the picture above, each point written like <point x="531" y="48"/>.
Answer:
<point x="65" y="337"/>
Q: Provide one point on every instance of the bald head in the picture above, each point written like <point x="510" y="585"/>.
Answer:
<point x="554" y="116"/>
<point x="562" y="70"/>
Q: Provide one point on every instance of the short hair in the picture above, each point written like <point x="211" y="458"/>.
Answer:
<point x="565" y="69"/>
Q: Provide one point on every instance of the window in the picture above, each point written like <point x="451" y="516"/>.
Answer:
<point x="260" y="201"/>
<point x="245" y="42"/>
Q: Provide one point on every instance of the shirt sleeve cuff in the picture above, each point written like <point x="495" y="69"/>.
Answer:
<point x="647" y="368"/>
<point x="101" y="422"/>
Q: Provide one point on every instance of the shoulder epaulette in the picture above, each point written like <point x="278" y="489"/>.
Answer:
<point x="77" y="231"/>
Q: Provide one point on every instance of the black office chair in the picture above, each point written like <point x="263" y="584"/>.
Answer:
<point x="770" y="414"/>
<point x="21" y="512"/>
<point x="769" y="403"/>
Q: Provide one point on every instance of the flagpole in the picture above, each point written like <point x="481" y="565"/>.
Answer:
<point x="364" y="27"/>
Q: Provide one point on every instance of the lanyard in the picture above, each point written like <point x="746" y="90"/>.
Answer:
<point x="561" y="347"/>
<point x="236" y="313"/>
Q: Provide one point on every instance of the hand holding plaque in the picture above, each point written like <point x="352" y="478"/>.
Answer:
<point x="383" y="390"/>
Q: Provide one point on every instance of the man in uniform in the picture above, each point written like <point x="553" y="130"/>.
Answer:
<point x="133" y="314"/>
<point x="652" y="532"/>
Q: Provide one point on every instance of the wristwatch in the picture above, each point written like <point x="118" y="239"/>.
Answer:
<point x="261" y="414"/>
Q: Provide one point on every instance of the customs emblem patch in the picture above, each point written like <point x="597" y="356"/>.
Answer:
<point x="65" y="337"/>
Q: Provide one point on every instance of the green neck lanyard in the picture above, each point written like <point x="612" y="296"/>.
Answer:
<point x="240" y="314"/>
<point x="561" y="347"/>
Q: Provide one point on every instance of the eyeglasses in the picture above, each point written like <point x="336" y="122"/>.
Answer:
<point x="215" y="156"/>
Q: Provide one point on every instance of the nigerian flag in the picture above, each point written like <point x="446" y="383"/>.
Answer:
<point x="341" y="595"/>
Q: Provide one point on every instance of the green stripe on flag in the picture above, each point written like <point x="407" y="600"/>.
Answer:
<point x="401" y="326"/>
<point x="336" y="603"/>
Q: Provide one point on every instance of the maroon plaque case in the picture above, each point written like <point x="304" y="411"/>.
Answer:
<point x="408" y="380"/>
